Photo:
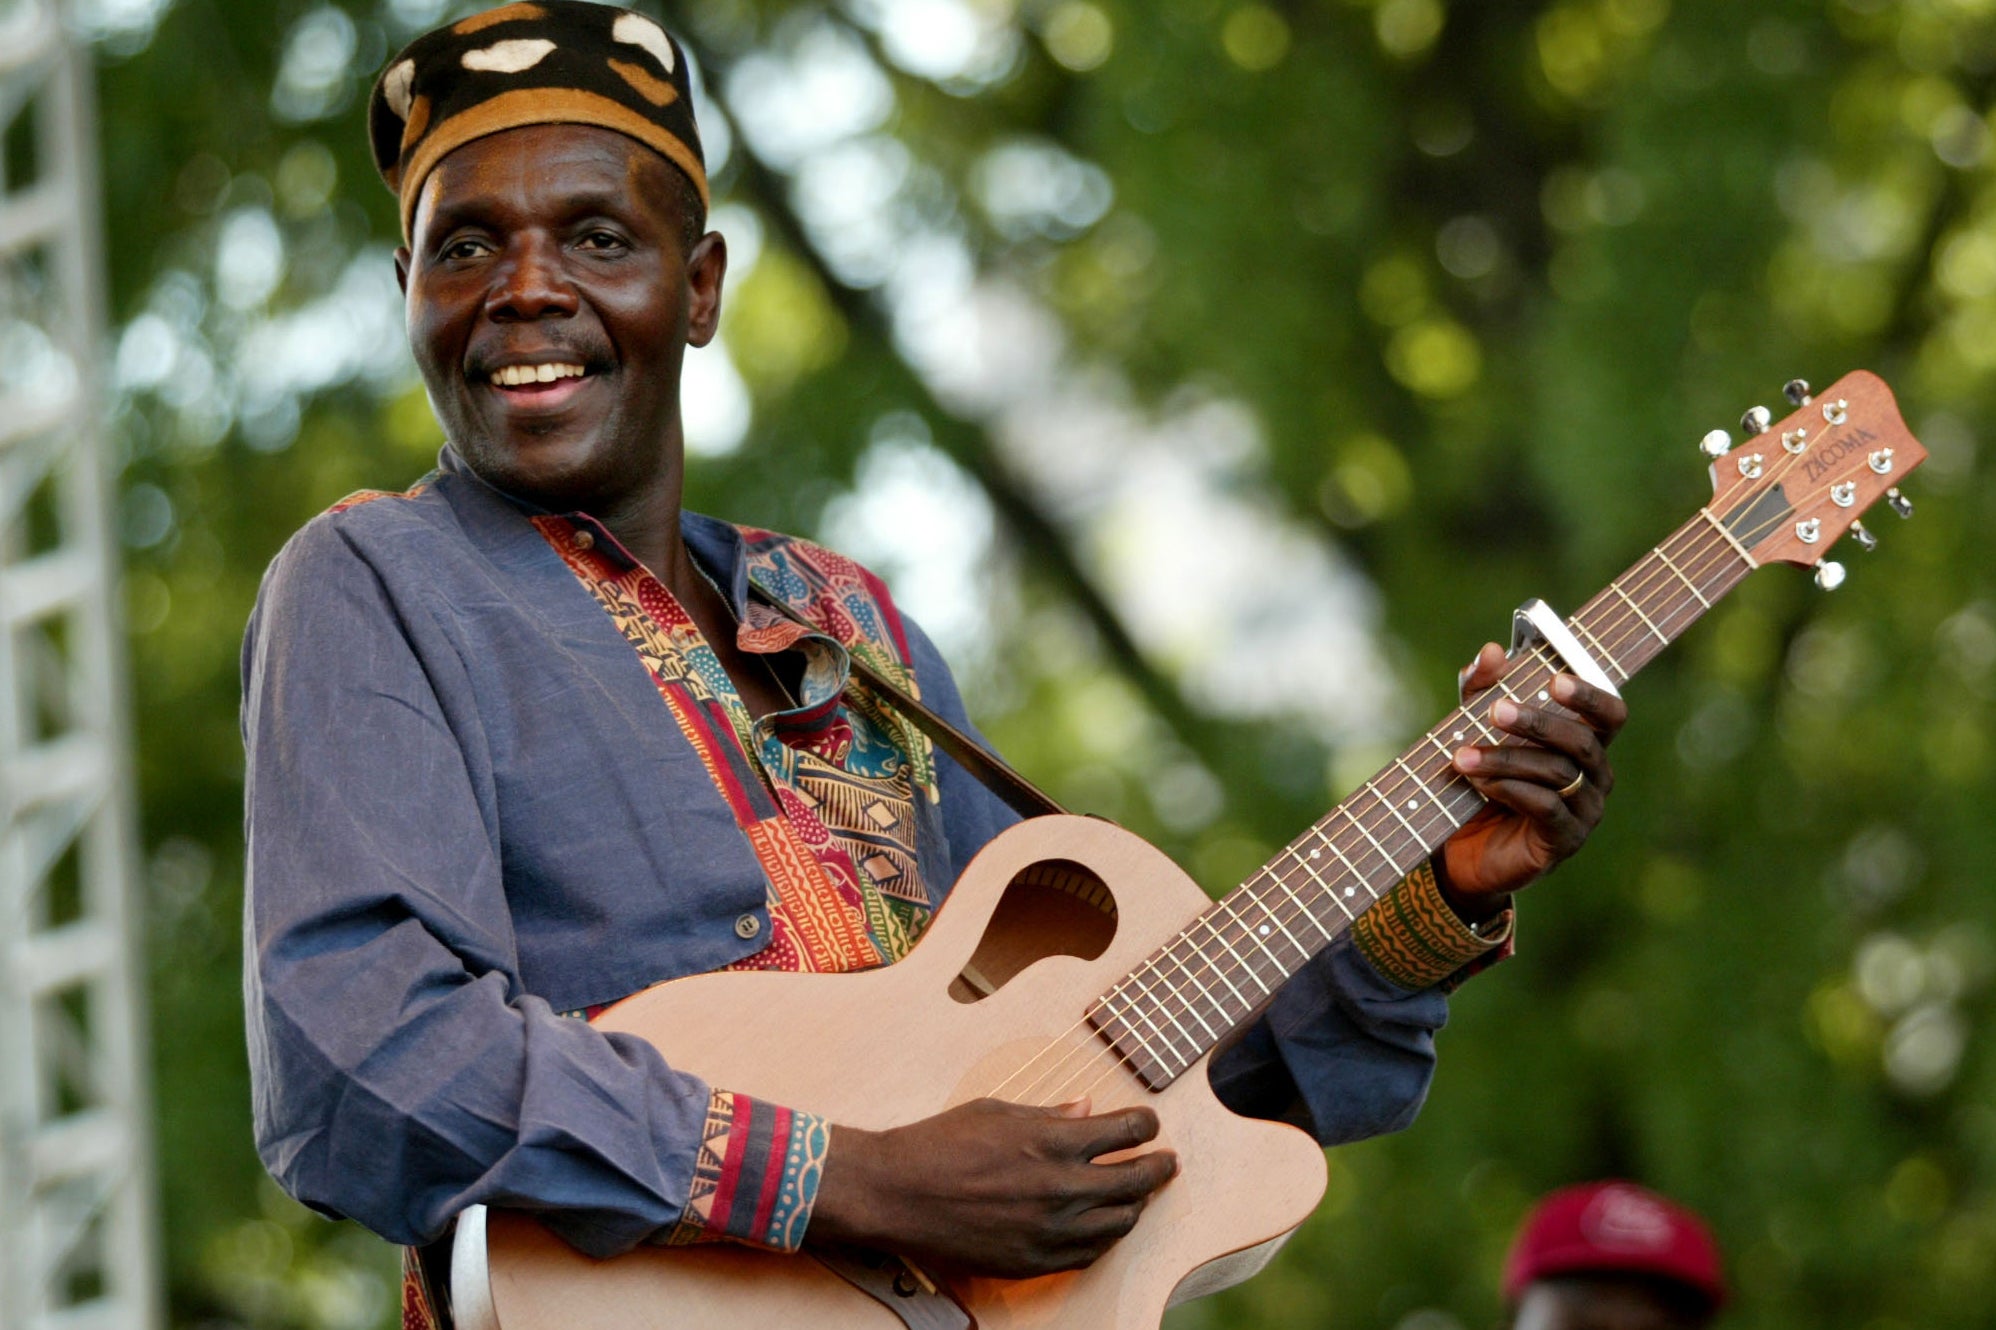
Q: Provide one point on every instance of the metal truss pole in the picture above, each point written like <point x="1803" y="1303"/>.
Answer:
<point x="77" y="1247"/>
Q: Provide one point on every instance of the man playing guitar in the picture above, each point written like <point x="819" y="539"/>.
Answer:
<point x="526" y="739"/>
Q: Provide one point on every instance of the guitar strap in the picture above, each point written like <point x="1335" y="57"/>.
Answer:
<point x="890" y="1281"/>
<point x="1025" y="798"/>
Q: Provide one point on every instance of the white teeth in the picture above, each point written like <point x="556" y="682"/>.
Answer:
<point x="512" y="376"/>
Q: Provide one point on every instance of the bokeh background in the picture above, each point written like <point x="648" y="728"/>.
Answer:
<point x="1211" y="377"/>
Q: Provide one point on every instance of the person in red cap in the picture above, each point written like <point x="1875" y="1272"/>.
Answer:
<point x="1612" y="1256"/>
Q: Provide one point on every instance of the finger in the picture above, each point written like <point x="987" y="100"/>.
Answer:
<point x="1561" y="734"/>
<point x="1483" y="670"/>
<point x="1070" y="1190"/>
<point x="1130" y="1179"/>
<point x="1600" y="708"/>
<point x="1080" y="1188"/>
<point x="1541" y="765"/>
<point x="1564" y="819"/>
<point x="1076" y="1257"/>
<point x="1074" y="1108"/>
<point x="1105" y="1226"/>
<point x="1082" y="1248"/>
<point x="1560" y="823"/>
<point x="1111" y="1132"/>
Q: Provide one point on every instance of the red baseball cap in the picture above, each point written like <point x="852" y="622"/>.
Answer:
<point x="1614" y="1227"/>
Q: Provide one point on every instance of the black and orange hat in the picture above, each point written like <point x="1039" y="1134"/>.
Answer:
<point x="540" y="62"/>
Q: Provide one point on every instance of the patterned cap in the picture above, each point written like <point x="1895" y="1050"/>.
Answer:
<point x="542" y="62"/>
<point x="1614" y="1228"/>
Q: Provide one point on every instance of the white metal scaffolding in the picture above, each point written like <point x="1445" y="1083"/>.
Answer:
<point x="76" y="1239"/>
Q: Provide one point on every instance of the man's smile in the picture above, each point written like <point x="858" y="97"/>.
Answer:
<point x="519" y="376"/>
<point x="537" y="386"/>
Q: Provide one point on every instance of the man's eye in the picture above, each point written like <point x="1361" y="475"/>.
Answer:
<point x="463" y="249"/>
<point x="602" y="240"/>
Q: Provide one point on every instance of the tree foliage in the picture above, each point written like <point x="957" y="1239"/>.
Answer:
<point x="1413" y="303"/>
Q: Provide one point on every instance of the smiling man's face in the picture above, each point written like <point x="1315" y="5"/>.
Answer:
<point x="551" y="297"/>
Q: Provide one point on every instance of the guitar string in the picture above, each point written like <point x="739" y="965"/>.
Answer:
<point x="1234" y="913"/>
<point x="1647" y="572"/>
<point x="1105" y="1059"/>
<point x="1234" y="910"/>
<point x="1108" y="1058"/>
<point x="1102" y="1056"/>
<point x="1650" y="574"/>
<point x="1704" y="582"/>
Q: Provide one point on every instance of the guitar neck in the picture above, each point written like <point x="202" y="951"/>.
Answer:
<point x="1224" y="968"/>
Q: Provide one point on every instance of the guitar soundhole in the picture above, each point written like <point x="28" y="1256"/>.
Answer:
<point x="1052" y="908"/>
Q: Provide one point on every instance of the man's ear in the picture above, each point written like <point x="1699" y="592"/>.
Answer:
<point x="402" y="268"/>
<point x="706" y="267"/>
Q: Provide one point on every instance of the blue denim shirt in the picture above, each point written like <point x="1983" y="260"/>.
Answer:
<point x="468" y="810"/>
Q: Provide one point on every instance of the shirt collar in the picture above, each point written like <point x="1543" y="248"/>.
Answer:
<point x="715" y="545"/>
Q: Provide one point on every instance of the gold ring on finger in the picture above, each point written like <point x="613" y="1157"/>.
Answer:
<point x="1572" y="787"/>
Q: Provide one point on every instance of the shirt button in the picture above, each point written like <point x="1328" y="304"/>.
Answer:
<point x="747" y="926"/>
<point x="584" y="540"/>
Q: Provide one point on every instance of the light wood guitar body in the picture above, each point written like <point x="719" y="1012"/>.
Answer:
<point x="886" y="1047"/>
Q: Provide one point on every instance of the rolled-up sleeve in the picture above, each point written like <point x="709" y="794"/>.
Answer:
<point x="400" y="1071"/>
<point x="1342" y="1052"/>
<point x="1347" y="1049"/>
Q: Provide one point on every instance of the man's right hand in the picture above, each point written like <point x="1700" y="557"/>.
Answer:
<point x="991" y="1188"/>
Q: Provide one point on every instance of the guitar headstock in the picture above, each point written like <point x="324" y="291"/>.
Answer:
<point x="1792" y="487"/>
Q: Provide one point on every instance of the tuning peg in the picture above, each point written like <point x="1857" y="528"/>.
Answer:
<point x="1865" y="540"/>
<point x="1829" y="574"/>
<point x="1756" y="420"/>
<point x="1796" y="391"/>
<point x="1900" y="503"/>
<point x="1715" y="444"/>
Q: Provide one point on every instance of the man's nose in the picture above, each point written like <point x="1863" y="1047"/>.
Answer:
<point x="531" y="284"/>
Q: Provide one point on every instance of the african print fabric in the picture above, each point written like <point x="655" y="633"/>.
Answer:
<point x="358" y="497"/>
<point x="824" y="792"/>
<point x="826" y="795"/>
<point x="756" y="1175"/>
<point x="1415" y="939"/>
<point x="419" y="1309"/>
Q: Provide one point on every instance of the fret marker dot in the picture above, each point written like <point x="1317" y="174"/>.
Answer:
<point x="1351" y="891"/>
<point x="1263" y="930"/>
<point x="1411" y="803"/>
<point x="1544" y="696"/>
<point x="1458" y="736"/>
<point x="1316" y="854"/>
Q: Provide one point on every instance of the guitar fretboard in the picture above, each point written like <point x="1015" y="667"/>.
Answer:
<point x="1227" y="965"/>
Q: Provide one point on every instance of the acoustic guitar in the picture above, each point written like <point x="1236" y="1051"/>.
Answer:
<point x="1073" y="958"/>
